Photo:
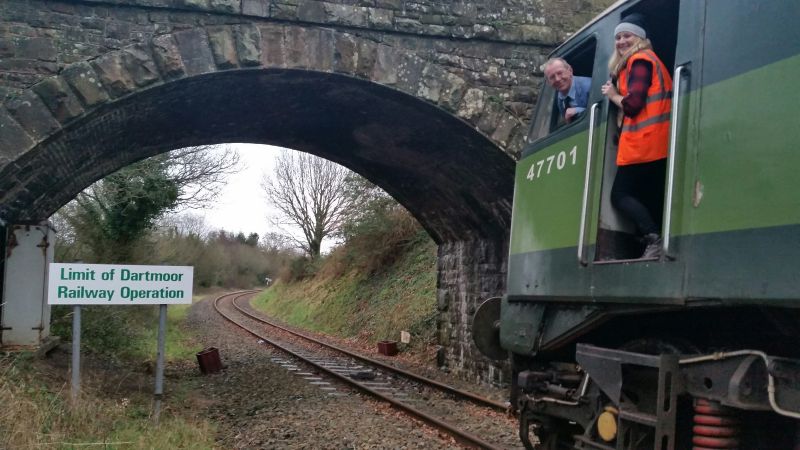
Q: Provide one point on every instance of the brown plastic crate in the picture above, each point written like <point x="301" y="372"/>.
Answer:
<point x="388" y="348"/>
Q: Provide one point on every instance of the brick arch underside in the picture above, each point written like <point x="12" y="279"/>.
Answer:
<point x="450" y="177"/>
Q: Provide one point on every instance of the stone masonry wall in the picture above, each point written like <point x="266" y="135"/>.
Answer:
<point x="469" y="273"/>
<point x="538" y="22"/>
<point x="486" y="53"/>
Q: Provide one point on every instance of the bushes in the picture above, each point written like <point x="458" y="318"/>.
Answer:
<point x="375" y="235"/>
<point x="380" y="281"/>
<point x="389" y="230"/>
<point x="220" y="258"/>
<point x="298" y="269"/>
<point x="112" y="331"/>
<point x="369" y="248"/>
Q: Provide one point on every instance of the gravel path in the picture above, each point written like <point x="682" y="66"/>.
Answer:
<point x="259" y="404"/>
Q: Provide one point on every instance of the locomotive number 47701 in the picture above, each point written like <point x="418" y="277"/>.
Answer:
<point x="537" y="168"/>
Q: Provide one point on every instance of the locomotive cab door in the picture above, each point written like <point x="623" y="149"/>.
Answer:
<point x="617" y="269"/>
<point x="617" y="238"/>
<point x="548" y="190"/>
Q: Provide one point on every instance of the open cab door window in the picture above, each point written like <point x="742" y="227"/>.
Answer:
<point x="618" y="239"/>
<point x="549" y="117"/>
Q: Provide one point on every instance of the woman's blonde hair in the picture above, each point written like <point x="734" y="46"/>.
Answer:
<point x="617" y="61"/>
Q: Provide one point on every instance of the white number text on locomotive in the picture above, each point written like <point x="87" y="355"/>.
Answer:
<point x="552" y="163"/>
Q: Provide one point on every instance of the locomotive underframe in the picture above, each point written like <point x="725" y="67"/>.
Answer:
<point x="651" y="398"/>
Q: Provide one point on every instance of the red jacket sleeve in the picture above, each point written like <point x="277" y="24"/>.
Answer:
<point x="639" y="81"/>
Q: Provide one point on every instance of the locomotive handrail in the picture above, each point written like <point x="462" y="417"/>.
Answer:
<point x="673" y="145"/>
<point x="585" y="202"/>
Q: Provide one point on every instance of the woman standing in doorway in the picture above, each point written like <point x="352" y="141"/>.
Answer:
<point x="641" y="87"/>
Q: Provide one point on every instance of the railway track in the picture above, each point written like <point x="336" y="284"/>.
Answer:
<point x="431" y="401"/>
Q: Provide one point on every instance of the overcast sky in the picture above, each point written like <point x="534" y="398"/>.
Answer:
<point x="241" y="205"/>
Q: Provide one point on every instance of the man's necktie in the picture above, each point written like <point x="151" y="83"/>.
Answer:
<point x="567" y="102"/>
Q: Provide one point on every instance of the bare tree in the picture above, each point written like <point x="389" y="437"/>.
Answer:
<point x="275" y="242"/>
<point x="107" y="220"/>
<point x="200" y="172"/>
<point x="185" y="224"/>
<point x="309" y="193"/>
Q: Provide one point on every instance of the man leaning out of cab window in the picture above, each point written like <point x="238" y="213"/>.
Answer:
<point x="573" y="92"/>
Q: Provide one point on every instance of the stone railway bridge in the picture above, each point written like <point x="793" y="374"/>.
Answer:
<point x="429" y="99"/>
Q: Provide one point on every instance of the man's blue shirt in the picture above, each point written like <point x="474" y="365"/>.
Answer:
<point x="579" y="93"/>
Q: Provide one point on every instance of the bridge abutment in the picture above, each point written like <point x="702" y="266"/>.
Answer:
<point x="469" y="272"/>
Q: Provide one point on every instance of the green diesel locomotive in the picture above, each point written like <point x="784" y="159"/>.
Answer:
<point x="699" y="348"/>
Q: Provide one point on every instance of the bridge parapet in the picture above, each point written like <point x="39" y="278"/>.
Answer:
<point x="534" y="22"/>
<point x="478" y="60"/>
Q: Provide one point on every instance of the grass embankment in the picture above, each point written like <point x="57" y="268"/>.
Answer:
<point x="372" y="290"/>
<point x="348" y="299"/>
<point x="116" y="402"/>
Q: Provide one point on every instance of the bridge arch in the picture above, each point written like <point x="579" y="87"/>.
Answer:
<point x="434" y="90"/>
<point x="376" y="109"/>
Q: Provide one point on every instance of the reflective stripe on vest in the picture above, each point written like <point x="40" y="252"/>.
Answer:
<point x="645" y="137"/>
<point x="646" y="123"/>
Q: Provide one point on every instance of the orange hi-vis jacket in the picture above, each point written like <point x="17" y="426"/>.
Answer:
<point x="645" y="138"/>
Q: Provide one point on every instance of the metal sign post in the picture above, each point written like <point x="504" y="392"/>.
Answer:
<point x="76" y="353"/>
<point x="162" y="332"/>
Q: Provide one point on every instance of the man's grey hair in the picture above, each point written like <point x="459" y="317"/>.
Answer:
<point x="555" y="59"/>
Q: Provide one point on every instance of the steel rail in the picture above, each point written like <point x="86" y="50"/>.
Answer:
<point x="462" y="436"/>
<point x="482" y="401"/>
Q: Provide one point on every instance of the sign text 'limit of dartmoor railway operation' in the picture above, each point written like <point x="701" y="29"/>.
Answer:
<point x="107" y="284"/>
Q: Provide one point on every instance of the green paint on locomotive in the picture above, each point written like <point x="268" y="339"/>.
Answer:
<point x="749" y="152"/>
<point x="548" y="192"/>
<point x="739" y="180"/>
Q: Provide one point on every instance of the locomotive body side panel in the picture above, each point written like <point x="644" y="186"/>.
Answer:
<point x="746" y="218"/>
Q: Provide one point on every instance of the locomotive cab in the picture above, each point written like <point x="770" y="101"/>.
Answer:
<point x="612" y="351"/>
<point x="613" y="234"/>
<point x="569" y="246"/>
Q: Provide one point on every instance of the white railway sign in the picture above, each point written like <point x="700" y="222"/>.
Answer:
<point x="107" y="284"/>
